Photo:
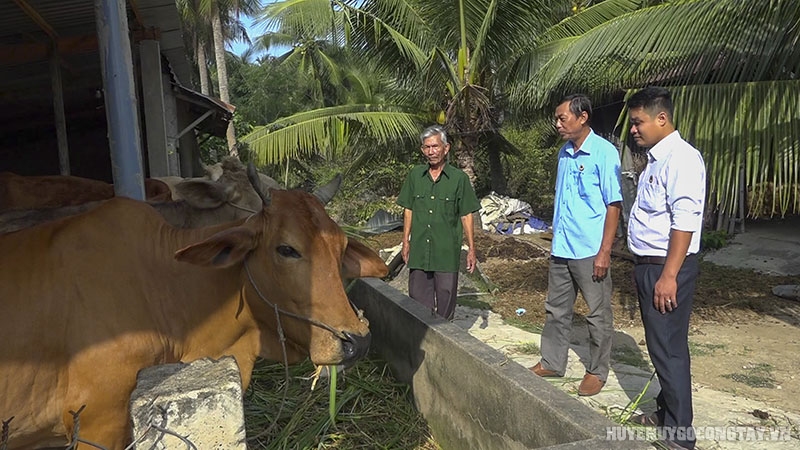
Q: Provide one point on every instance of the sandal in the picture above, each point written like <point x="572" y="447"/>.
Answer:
<point x="646" y="420"/>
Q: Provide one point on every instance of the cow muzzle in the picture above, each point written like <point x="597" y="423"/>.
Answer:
<point x="354" y="347"/>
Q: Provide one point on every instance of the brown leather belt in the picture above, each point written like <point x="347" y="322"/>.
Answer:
<point x="657" y="259"/>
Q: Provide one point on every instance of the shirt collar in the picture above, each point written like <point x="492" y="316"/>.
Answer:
<point x="445" y="170"/>
<point x="664" y="146"/>
<point x="585" y="148"/>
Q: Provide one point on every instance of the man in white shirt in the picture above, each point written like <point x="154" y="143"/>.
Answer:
<point x="664" y="236"/>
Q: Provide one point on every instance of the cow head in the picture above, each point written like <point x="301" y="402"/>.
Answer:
<point x="293" y="257"/>
<point x="228" y="184"/>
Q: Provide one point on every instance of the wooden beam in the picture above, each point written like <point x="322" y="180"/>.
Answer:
<point x="136" y="13"/>
<point x="34" y="15"/>
<point x="58" y="111"/>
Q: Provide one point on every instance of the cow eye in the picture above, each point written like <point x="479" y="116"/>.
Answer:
<point x="287" y="251"/>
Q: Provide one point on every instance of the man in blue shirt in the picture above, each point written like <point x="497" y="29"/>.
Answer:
<point x="587" y="207"/>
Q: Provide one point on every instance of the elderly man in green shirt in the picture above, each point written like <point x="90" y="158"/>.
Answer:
<point x="439" y="201"/>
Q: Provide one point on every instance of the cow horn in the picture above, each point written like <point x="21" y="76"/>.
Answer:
<point x="326" y="193"/>
<point x="255" y="180"/>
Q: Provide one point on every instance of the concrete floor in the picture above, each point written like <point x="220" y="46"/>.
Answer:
<point x="768" y="246"/>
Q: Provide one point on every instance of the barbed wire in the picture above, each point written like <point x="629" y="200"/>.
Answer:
<point x="5" y="433"/>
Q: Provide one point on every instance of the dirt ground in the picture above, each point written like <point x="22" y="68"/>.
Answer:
<point x="743" y="339"/>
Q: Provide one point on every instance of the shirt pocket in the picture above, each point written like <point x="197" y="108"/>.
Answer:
<point x="652" y="197"/>
<point x="447" y="207"/>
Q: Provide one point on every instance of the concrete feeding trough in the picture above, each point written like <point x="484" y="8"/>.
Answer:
<point x="471" y="395"/>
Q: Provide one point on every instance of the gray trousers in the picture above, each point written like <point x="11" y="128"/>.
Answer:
<point x="566" y="276"/>
<point x="436" y="290"/>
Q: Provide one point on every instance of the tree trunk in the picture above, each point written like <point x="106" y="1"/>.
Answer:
<point x="202" y="66"/>
<point x="496" y="174"/>
<point x="465" y="158"/>
<point x="222" y="78"/>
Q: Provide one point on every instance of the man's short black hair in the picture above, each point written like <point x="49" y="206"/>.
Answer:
<point x="579" y="103"/>
<point x="653" y="99"/>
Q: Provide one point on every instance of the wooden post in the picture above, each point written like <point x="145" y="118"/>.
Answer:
<point x="58" y="111"/>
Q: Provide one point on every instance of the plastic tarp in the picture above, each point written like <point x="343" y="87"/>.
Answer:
<point x="506" y="215"/>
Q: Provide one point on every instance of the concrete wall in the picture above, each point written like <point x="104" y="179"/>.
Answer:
<point x="471" y="395"/>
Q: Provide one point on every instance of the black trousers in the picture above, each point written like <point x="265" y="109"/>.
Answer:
<point x="667" y="337"/>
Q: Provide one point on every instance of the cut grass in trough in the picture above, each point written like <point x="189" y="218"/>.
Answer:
<point x="373" y="410"/>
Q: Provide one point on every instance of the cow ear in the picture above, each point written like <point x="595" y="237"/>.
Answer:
<point x="361" y="261"/>
<point x="223" y="249"/>
<point x="204" y="194"/>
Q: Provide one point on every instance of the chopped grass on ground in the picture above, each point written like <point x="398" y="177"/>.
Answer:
<point x="527" y="348"/>
<point x="630" y="356"/>
<point x="700" y="349"/>
<point x="523" y="325"/>
<point x="756" y="376"/>
<point x="373" y="411"/>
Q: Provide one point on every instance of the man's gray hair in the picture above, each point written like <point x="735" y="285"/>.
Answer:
<point x="433" y="130"/>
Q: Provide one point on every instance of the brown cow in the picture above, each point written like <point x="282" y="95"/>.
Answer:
<point x="90" y="300"/>
<point x="228" y="170"/>
<point x="204" y="202"/>
<point x="53" y="191"/>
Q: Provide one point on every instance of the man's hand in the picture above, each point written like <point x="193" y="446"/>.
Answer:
<point x="407" y="215"/>
<point x="472" y="260"/>
<point x="665" y="297"/>
<point x="601" y="264"/>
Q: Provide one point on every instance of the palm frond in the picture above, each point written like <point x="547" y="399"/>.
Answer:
<point x="306" y="18"/>
<point x="749" y="136"/>
<point x="589" y="18"/>
<point x="677" y="43"/>
<point x="755" y="129"/>
<point x="328" y="131"/>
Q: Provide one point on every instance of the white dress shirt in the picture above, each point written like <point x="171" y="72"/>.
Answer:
<point x="670" y="195"/>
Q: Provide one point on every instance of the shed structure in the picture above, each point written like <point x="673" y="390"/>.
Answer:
<point x="100" y="89"/>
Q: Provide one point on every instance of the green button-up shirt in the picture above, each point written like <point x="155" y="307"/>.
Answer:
<point x="436" y="211"/>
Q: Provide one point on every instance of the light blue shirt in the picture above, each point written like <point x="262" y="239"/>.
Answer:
<point x="670" y="195"/>
<point x="587" y="182"/>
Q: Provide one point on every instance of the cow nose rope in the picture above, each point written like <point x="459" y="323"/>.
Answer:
<point x="277" y="309"/>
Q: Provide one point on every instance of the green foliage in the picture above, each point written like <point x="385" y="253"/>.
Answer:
<point x="214" y="148"/>
<point x="370" y="182"/>
<point x="357" y="206"/>
<point x="531" y="174"/>
<point x="711" y="240"/>
<point x="269" y="90"/>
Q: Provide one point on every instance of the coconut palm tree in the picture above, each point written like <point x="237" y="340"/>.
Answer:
<point x="223" y="16"/>
<point x="448" y="61"/>
<point x="733" y="69"/>
<point x="348" y="92"/>
<point x="197" y="34"/>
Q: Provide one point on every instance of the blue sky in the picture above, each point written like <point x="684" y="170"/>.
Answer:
<point x="252" y="30"/>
